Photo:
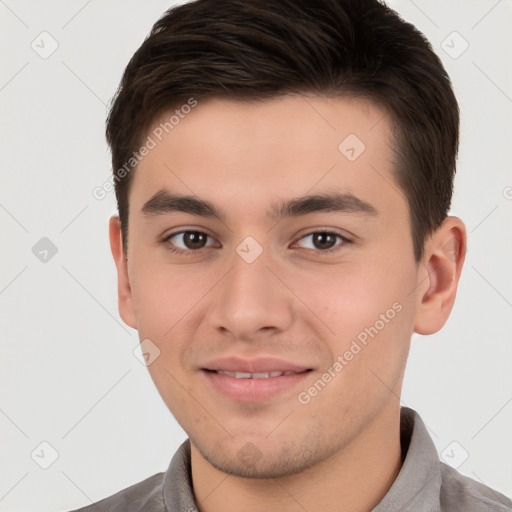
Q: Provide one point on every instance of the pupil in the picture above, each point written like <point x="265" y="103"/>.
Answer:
<point x="324" y="240"/>
<point x="194" y="239"/>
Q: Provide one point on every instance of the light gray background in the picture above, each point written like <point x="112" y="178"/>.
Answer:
<point x="68" y="373"/>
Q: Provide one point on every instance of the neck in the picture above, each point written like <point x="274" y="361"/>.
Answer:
<point x="354" y="479"/>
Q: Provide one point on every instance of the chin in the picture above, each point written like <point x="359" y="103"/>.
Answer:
<point x="267" y="462"/>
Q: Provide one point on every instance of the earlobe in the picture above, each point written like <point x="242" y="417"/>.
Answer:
<point x="124" y="291"/>
<point x="444" y="257"/>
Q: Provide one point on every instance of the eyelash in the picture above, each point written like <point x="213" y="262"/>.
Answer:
<point x="192" y="252"/>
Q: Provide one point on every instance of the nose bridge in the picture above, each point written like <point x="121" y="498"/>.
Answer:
<point x="250" y="297"/>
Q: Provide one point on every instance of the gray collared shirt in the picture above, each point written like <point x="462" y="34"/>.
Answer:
<point x="424" y="484"/>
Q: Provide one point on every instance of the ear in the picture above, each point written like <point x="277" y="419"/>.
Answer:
<point x="124" y="291"/>
<point x="443" y="260"/>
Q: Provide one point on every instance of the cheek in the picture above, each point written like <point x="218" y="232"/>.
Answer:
<point x="370" y="320"/>
<point x="352" y="298"/>
<point x="370" y="315"/>
<point x="164" y="295"/>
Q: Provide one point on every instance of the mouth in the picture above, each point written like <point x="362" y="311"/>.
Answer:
<point x="257" y="375"/>
<point x="253" y="380"/>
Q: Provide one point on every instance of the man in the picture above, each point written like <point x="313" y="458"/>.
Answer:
<point x="284" y="172"/>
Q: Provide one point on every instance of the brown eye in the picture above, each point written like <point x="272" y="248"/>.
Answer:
<point x="322" y="240"/>
<point x="189" y="240"/>
<point x="194" y="239"/>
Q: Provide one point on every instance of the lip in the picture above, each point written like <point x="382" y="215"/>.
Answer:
<point x="253" y="390"/>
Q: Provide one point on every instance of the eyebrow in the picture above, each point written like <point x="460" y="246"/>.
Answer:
<point x="165" y="202"/>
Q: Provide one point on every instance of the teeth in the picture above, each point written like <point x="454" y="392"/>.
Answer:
<point x="241" y="375"/>
<point x="259" y="375"/>
<point x="264" y="375"/>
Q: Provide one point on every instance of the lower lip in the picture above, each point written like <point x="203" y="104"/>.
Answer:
<point x="254" y="390"/>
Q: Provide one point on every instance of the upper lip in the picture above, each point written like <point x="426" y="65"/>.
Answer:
<point x="253" y="365"/>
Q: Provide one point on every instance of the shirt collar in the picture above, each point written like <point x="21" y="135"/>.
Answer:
<point x="417" y="487"/>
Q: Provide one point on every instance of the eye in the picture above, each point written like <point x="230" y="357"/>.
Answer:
<point x="189" y="241"/>
<point x="324" y="241"/>
<point x="193" y="241"/>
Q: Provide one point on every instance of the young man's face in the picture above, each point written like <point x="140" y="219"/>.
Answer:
<point x="257" y="292"/>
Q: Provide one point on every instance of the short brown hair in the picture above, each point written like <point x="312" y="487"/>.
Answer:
<point x="252" y="50"/>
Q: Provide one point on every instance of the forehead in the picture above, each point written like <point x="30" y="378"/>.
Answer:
<point x="246" y="155"/>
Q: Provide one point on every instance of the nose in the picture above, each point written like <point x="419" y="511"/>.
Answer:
<point x="252" y="301"/>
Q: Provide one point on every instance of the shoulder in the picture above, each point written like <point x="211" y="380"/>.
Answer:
<point x="144" y="496"/>
<point x="461" y="493"/>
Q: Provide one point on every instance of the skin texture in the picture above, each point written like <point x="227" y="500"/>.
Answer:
<point x="341" y="449"/>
